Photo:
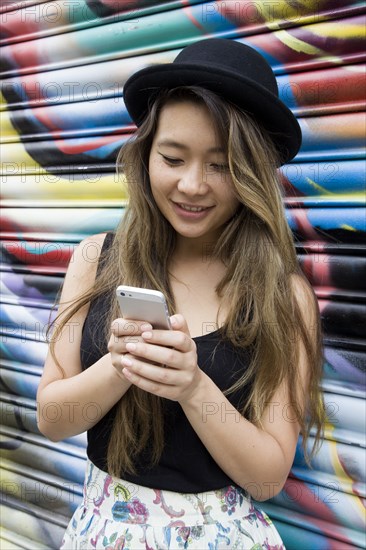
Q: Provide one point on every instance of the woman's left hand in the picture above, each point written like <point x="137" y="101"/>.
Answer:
<point x="176" y="374"/>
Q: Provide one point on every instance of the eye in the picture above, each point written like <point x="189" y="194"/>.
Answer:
<point x="219" y="167"/>
<point x="170" y="160"/>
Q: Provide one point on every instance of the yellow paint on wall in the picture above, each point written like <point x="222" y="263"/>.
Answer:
<point x="12" y="163"/>
<point x="327" y="30"/>
<point x="285" y="10"/>
<point x="50" y="190"/>
<point x="7" y="129"/>
<point x="319" y="187"/>
<point x="298" y="45"/>
<point x="332" y="29"/>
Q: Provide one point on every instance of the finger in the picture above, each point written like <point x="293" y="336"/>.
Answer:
<point x="178" y="322"/>
<point x="153" y="372"/>
<point x="169" y="338"/>
<point x="156" y="354"/>
<point x="144" y="383"/>
<point x="117" y="344"/>
<point x="129" y="327"/>
<point x="151" y="378"/>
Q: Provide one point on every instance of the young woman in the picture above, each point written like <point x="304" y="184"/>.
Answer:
<point x="194" y="421"/>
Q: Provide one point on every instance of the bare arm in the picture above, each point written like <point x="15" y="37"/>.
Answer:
<point x="257" y="459"/>
<point x="72" y="404"/>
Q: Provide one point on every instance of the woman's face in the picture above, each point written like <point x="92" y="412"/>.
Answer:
<point x="189" y="174"/>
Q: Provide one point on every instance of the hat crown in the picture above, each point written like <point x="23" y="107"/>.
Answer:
<point x="233" y="71"/>
<point x="234" y="57"/>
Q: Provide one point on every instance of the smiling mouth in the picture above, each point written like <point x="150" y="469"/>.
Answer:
<point x="193" y="208"/>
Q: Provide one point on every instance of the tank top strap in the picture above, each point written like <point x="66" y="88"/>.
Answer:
<point x="107" y="243"/>
<point x="93" y="345"/>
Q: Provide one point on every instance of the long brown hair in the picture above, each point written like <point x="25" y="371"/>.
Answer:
<point x="258" y="251"/>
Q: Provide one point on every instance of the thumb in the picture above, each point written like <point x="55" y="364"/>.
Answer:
<point x="178" y="322"/>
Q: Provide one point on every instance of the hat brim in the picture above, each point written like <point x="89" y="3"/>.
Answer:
<point x="250" y="96"/>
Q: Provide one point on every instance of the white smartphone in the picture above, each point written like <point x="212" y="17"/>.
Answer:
<point x="143" y="304"/>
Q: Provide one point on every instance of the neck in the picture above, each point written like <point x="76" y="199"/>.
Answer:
<point x="188" y="250"/>
<point x="188" y="263"/>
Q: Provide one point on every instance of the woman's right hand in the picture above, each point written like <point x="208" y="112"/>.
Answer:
<point x="124" y="331"/>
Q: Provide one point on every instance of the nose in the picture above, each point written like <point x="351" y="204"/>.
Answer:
<point x="192" y="180"/>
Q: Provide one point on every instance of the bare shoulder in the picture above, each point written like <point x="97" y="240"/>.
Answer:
<point x="309" y="310"/>
<point x="86" y="255"/>
<point x="305" y="298"/>
<point x="301" y="286"/>
<point x="82" y="267"/>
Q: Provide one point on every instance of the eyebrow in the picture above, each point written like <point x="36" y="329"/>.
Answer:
<point x="177" y="145"/>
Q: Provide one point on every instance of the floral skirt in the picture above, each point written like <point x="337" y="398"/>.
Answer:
<point x="119" y="515"/>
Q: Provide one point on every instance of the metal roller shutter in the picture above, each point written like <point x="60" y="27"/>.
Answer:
<point x="63" y="120"/>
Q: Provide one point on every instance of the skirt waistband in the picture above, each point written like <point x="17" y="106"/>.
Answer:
<point x="121" y="500"/>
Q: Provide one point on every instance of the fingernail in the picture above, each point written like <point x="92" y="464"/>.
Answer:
<point x="173" y="320"/>
<point x="130" y="346"/>
<point x="146" y="326"/>
<point x="147" y="335"/>
<point x="126" y="361"/>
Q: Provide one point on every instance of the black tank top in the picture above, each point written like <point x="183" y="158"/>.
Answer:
<point x="185" y="465"/>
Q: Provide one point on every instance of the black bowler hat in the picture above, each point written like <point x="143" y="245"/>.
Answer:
<point x="232" y="70"/>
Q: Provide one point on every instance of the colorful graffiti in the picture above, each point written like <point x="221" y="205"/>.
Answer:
<point x="63" y="121"/>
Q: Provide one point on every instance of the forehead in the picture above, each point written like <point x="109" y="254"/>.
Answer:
<point x="188" y="123"/>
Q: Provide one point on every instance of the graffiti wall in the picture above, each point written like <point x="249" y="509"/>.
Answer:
<point x="63" y="121"/>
